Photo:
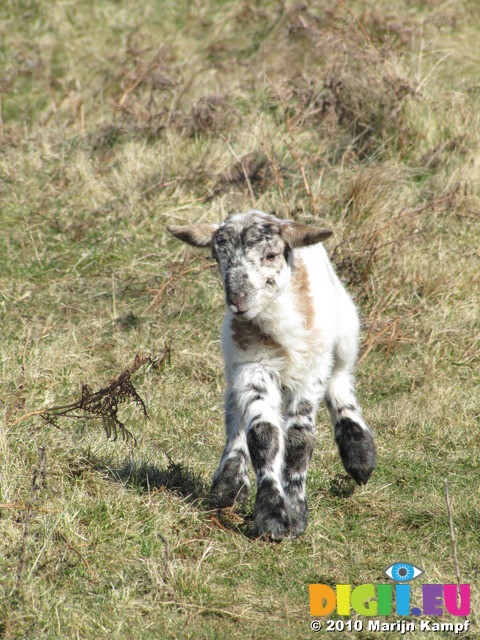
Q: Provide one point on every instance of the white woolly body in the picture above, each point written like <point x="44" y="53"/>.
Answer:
<point x="306" y="351"/>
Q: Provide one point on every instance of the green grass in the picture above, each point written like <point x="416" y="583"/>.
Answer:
<point x="118" y="118"/>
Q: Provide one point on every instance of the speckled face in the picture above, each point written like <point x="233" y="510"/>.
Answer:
<point x="252" y="258"/>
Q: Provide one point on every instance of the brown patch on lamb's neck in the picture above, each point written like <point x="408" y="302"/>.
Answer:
<point x="247" y="335"/>
<point x="302" y="293"/>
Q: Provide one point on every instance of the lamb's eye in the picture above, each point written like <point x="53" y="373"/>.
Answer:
<point x="270" y="257"/>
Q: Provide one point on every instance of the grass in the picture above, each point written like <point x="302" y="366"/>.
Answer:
<point x="120" y="117"/>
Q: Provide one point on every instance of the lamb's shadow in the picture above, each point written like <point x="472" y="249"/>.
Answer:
<point x="177" y="479"/>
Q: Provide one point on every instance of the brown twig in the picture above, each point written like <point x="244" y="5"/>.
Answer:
<point x="245" y="173"/>
<point x="357" y="22"/>
<point x="161" y="292"/>
<point x="39" y="470"/>
<point x="302" y="170"/>
<point x="138" y="81"/>
<point x="374" y="340"/>
<point x="452" y="536"/>
<point x="167" y="550"/>
<point x="219" y="524"/>
<point x="368" y="266"/>
<point x="277" y="174"/>
<point x="21" y="557"/>
<point x="93" y="578"/>
<point x="159" y="296"/>
<point x="380" y="308"/>
<point x="30" y="414"/>
<point x="390" y="341"/>
<point x="23" y="507"/>
<point x="1" y="120"/>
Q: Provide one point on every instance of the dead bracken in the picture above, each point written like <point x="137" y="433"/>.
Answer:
<point x="103" y="404"/>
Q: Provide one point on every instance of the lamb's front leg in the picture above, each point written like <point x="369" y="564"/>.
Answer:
<point x="258" y="395"/>
<point x="301" y="409"/>
<point x="230" y="481"/>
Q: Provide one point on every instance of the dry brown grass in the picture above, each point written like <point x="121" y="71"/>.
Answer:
<point x="117" y="119"/>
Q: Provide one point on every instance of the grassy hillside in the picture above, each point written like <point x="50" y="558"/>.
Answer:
<point x="118" y="118"/>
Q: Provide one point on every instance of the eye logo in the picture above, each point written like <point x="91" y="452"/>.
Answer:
<point x="402" y="572"/>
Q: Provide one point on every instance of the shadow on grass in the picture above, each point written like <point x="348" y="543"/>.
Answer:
<point x="178" y="479"/>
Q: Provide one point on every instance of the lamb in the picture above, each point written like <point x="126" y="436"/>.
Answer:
<point x="289" y="341"/>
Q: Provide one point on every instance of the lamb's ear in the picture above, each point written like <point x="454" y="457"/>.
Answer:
<point x="297" y="234"/>
<point x="198" y="235"/>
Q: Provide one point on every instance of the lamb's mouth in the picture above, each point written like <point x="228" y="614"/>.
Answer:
<point x="236" y="311"/>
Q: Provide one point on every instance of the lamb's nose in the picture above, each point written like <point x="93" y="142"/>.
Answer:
<point x="238" y="302"/>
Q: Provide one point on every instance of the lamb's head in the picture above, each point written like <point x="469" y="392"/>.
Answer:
<point x="252" y="251"/>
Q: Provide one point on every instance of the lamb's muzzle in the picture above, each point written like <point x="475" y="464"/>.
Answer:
<point x="290" y="340"/>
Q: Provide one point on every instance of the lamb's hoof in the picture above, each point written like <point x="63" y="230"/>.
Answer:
<point x="229" y="486"/>
<point x="272" y="517"/>
<point x="357" y="450"/>
<point x="225" y="496"/>
<point x="271" y="530"/>
<point x="299" y="518"/>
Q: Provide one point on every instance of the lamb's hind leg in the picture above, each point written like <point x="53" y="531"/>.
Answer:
<point x="230" y="481"/>
<point x="354" y="439"/>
